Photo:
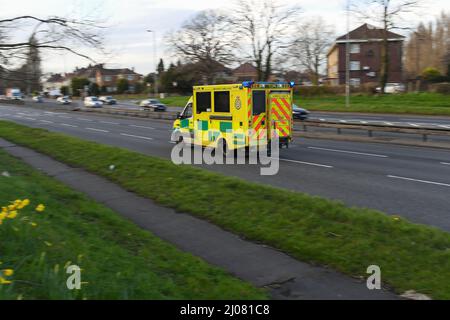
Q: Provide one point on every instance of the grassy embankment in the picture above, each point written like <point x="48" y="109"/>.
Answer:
<point x="420" y="103"/>
<point x="313" y="229"/>
<point x="118" y="259"/>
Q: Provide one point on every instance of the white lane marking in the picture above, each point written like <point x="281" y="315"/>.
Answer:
<point x="133" y="136"/>
<point x="414" y="124"/>
<point x="445" y="163"/>
<point x="107" y="122"/>
<point x="307" y="163"/>
<point x="422" y="181"/>
<point x="69" y="125"/>
<point x="141" y="127"/>
<point x="97" y="130"/>
<point x="364" y="122"/>
<point x="389" y="123"/>
<point x="351" y="152"/>
<point x="445" y="127"/>
<point x="31" y="119"/>
<point x="343" y="121"/>
<point x="65" y="117"/>
<point x="82" y="119"/>
<point x="45" y="121"/>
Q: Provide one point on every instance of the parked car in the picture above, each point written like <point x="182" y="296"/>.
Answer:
<point x="64" y="100"/>
<point x="300" y="113"/>
<point x="392" y="88"/>
<point x="92" y="102"/>
<point x="149" y="102"/>
<point x="108" y="100"/>
<point x="38" y="99"/>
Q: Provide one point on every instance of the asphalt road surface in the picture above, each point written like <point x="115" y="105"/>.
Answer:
<point x="408" y="181"/>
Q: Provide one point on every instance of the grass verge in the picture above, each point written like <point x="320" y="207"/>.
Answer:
<point x="411" y="103"/>
<point x="118" y="259"/>
<point x="411" y="256"/>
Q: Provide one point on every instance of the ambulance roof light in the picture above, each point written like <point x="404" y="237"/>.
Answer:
<point x="292" y="84"/>
<point x="247" y="84"/>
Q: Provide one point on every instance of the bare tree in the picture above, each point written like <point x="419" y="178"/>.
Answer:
<point x="312" y="40"/>
<point x="389" y="14"/>
<point x="264" y="26"/>
<point x="205" y="40"/>
<point x="52" y="33"/>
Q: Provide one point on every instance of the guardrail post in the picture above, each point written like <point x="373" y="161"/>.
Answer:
<point x="425" y="137"/>
<point x="339" y="131"/>
<point x="370" y="133"/>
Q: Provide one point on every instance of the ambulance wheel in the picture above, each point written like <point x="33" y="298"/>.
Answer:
<point x="222" y="147"/>
<point x="180" y="139"/>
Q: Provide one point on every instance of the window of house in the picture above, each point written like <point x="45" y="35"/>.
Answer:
<point x="130" y="77"/>
<point x="203" y="102"/>
<point x="355" y="82"/>
<point x="259" y="102"/>
<point x="355" y="65"/>
<point x="107" y="78"/>
<point x="370" y="53"/>
<point x="222" y="101"/>
<point x="355" y="48"/>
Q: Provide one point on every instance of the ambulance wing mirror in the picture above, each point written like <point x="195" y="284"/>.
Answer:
<point x="179" y="115"/>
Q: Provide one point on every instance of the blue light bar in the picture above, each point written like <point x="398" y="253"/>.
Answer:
<point x="292" y="84"/>
<point x="247" y="84"/>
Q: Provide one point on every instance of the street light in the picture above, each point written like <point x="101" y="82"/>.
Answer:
<point x="155" y="62"/>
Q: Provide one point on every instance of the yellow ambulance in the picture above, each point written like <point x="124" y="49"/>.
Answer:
<point x="234" y="116"/>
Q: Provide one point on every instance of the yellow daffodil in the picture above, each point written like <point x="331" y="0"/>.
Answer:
<point x="23" y="204"/>
<point x="12" y="214"/>
<point x="33" y="224"/>
<point x="8" y="272"/>
<point x="12" y="207"/>
<point x="4" y="281"/>
<point x="40" y="208"/>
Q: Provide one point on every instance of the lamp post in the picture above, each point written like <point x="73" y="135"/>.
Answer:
<point x="155" y="63"/>
<point x="347" y="59"/>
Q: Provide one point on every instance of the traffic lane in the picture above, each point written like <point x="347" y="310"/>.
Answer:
<point x="352" y="186"/>
<point x="378" y="134"/>
<point x="382" y="117"/>
<point x="162" y="128"/>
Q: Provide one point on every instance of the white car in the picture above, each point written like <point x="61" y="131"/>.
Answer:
<point x="64" y="100"/>
<point x="92" y="102"/>
<point x="392" y="88"/>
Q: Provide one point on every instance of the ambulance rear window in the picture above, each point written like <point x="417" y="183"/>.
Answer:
<point x="222" y="101"/>
<point x="259" y="102"/>
<point x="203" y="102"/>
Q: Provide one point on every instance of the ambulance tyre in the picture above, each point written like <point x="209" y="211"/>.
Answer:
<point x="222" y="147"/>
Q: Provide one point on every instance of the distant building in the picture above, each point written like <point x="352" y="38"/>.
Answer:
<point x="245" y="72"/>
<point x="105" y="78"/>
<point x="365" y="57"/>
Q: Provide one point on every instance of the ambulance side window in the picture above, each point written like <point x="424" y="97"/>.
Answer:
<point x="222" y="101"/>
<point x="203" y="102"/>
<point x="187" y="113"/>
<point x="259" y="102"/>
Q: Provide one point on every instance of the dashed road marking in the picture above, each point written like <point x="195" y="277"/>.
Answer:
<point x="351" y="152"/>
<point x="107" y="122"/>
<point x="445" y="163"/>
<point x="307" y="163"/>
<point x="83" y="119"/>
<point x="97" y="130"/>
<point x="421" y="181"/>
<point x="69" y="125"/>
<point x="141" y="127"/>
<point x="133" y="136"/>
<point x="45" y="121"/>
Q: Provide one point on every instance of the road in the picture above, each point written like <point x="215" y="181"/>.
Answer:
<point x="407" y="181"/>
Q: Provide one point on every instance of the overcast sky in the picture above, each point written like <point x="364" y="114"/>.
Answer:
<point x="128" y="43"/>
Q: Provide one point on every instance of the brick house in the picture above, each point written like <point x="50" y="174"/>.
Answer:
<point x="107" y="78"/>
<point x="365" y="57"/>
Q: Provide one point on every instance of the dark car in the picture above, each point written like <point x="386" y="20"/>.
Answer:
<point x="156" y="107"/>
<point x="108" y="100"/>
<point x="300" y="113"/>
